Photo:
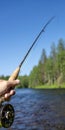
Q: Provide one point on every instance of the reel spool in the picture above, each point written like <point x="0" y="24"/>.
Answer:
<point x="6" y="115"/>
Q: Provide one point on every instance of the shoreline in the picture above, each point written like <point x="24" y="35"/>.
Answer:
<point x="50" y="86"/>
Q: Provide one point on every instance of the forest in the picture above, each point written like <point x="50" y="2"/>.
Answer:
<point x="50" y="70"/>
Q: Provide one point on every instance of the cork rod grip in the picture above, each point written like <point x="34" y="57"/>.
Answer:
<point x="14" y="74"/>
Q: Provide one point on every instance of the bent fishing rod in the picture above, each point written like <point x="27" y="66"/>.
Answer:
<point x="7" y="110"/>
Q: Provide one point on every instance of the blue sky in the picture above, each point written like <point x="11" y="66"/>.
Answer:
<point x="20" y="23"/>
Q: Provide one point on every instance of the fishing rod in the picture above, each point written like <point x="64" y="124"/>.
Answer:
<point x="7" y="110"/>
<point x="16" y="72"/>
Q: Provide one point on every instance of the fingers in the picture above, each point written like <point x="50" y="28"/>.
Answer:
<point x="9" y="94"/>
<point x="6" y="88"/>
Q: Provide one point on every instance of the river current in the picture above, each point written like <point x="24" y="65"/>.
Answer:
<point x="38" y="109"/>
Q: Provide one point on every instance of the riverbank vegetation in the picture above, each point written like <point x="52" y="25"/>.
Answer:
<point x="50" y="71"/>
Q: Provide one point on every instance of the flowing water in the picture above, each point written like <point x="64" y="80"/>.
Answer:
<point x="38" y="109"/>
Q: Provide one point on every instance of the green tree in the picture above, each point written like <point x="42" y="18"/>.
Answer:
<point x="42" y="66"/>
<point x="53" y="56"/>
<point x="43" y="57"/>
<point x="33" y="78"/>
<point x="24" y="81"/>
<point x="49" y="71"/>
<point x="61" y="61"/>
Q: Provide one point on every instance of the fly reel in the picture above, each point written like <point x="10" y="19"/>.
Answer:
<point x="6" y="115"/>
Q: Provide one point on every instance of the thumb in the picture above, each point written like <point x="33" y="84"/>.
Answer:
<point x="13" y="83"/>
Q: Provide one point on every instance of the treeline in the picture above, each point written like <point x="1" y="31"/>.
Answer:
<point x="50" y="69"/>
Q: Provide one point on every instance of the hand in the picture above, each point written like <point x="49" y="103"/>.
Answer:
<point x="7" y="88"/>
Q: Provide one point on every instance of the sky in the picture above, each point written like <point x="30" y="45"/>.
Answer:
<point x="20" y="23"/>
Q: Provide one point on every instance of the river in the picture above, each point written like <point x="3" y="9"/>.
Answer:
<point x="38" y="109"/>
